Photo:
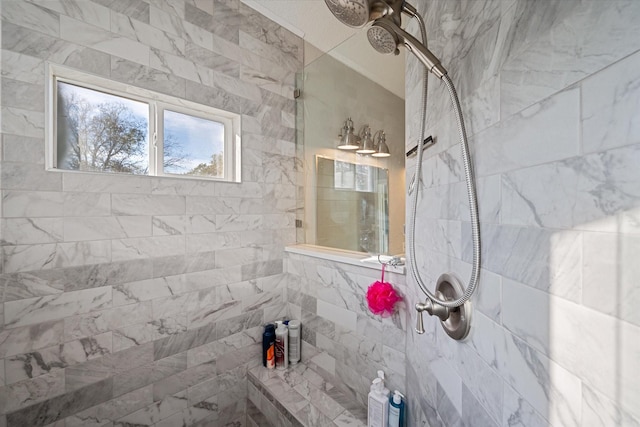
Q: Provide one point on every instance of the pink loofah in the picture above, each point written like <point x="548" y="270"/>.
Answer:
<point x="382" y="297"/>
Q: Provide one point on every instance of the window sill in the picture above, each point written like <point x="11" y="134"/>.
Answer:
<point x="359" y="259"/>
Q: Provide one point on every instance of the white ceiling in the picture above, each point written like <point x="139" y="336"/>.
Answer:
<point x="312" y="20"/>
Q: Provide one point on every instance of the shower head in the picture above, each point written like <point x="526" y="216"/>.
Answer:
<point x="383" y="39"/>
<point x="357" y="13"/>
<point x="385" y="34"/>
<point x="354" y="13"/>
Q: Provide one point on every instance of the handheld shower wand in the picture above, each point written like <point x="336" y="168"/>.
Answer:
<point x="385" y="34"/>
<point x="449" y="302"/>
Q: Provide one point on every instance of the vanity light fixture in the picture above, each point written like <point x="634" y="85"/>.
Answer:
<point x="348" y="139"/>
<point x="381" y="147"/>
<point x="363" y="143"/>
<point x="366" y="141"/>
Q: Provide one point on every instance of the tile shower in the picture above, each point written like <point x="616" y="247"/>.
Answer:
<point x="139" y="300"/>
<point x="550" y="91"/>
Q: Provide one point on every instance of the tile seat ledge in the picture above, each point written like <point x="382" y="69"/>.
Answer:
<point x="299" y="397"/>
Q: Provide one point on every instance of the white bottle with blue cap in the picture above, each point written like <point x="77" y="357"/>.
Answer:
<point x="396" y="410"/>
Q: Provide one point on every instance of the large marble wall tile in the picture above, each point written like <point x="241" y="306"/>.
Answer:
<point x="125" y="204"/>
<point x="36" y="310"/>
<point x="16" y="204"/>
<point x="610" y="274"/>
<point x="25" y="393"/>
<point x="518" y="412"/>
<point x="58" y="408"/>
<point x="86" y="325"/>
<point x="82" y="58"/>
<point x="82" y="253"/>
<point x="144" y="290"/>
<point x="28" y="338"/>
<point x="31" y="365"/>
<point x="550" y="388"/>
<point x="22" y="95"/>
<point x="77" y="204"/>
<point x="110" y="411"/>
<point x="154" y="413"/>
<point x="237" y="87"/>
<point x="99" y="183"/>
<point x="25" y="176"/>
<point x="104" y="41"/>
<point x="22" y="149"/>
<point x="146" y="34"/>
<point x="88" y="12"/>
<point x="177" y="65"/>
<point x="184" y="380"/>
<point x="47" y="256"/>
<point x="186" y="30"/>
<point x="21" y="67"/>
<point x="545" y="132"/>
<point x="473" y="412"/>
<point x="17" y="121"/>
<point x="269" y="51"/>
<point x="203" y="56"/>
<point x="212" y="205"/>
<point x="345" y="318"/>
<point x="536" y="257"/>
<point x="580" y="43"/>
<point x="219" y="98"/>
<point x="32" y="16"/>
<point x="147" y="247"/>
<point x="610" y="107"/>
<point x="482" y="382"/>
<point x="149" y="78"/>
<point x="582" y="341"/>
<point x="31" y="231"/>
<point x="136" y="9"/>
<point x="270" y="33"/>
<point x="182" y="187"/>
<point x="100" y="228"/>
<point x="597" y="192"/>
<point x="148" y="373"/>
<point x="598" y="410"/>
<point x="21" y="40"/>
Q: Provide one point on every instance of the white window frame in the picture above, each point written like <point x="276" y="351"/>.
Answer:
<point x="158" y="103"/>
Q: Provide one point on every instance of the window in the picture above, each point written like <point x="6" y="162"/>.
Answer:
<point x="97" y="125"/>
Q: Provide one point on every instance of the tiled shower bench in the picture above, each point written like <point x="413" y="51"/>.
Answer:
<point x="299" y="397"/>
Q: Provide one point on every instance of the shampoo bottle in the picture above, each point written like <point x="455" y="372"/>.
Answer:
<point x="378" y="405"/>
<point x="294" y="341"/>
<point x="282" y="346"/>
<point x="396" y="410"/>
<point x="268" y="340"/>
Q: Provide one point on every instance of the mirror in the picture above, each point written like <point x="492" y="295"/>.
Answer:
<point x="352" y="209"/>
<point x="332" y="92"/>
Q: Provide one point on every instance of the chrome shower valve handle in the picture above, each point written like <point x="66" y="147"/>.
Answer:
<point x="455" y="321"/>
<point x="434" y="309"/>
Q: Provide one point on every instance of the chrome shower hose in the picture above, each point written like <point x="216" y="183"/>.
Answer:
<point x="471" y="192"/>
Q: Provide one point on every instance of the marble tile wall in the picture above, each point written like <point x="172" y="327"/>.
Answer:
<point x="131" y="300"/>
<point x="347" y="342"/>
<point x="550" y="93"/>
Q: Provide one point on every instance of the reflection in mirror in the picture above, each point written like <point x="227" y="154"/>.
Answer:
<point x="352" y="206"/>
<point x="333" y="92"/>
